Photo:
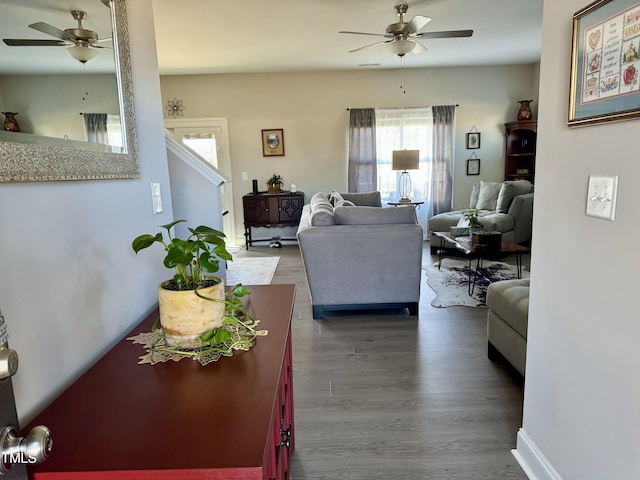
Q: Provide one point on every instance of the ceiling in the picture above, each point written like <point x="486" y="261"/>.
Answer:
<point x="212" y="36"/>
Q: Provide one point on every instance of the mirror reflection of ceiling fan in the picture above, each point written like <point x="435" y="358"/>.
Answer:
<point x="81" y="43"/>
<point x="402" y="37"/>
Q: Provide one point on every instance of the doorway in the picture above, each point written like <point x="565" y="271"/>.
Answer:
<point x="209" y="137"/>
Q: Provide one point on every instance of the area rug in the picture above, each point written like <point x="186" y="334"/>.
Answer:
<point x="451" y="283"/>
<point x="251" y="270"/>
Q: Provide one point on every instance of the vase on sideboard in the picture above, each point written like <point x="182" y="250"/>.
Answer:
<point x="10" y="122"/>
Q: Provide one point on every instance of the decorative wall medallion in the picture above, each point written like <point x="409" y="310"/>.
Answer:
<point x="174" y="108"/>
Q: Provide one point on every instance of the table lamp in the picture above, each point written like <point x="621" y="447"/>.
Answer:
<point x="405" y="160"/>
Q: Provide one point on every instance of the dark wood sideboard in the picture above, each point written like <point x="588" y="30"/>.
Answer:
<point x="232" y="419"/>
<point x="271" y="210"/>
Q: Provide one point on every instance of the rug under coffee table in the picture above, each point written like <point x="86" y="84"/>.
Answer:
<point x="465" y="246"/>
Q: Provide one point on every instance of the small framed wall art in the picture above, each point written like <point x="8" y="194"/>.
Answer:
<point x="473" y="165"/>
<point x="273" y="142"/>
<point x="473" y="140"/>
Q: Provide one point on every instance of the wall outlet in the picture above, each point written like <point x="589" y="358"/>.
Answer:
<point x="601" y="196"/>
<point x="245" y="176"/>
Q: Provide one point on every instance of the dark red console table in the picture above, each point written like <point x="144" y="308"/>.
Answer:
<point x="232" y="419"/>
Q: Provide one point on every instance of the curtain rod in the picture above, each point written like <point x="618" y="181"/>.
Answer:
<point x="455" y="105"/>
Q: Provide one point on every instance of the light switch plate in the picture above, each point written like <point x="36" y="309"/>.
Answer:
<point x="601" y="196"/>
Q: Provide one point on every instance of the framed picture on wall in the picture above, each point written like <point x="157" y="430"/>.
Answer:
<point x="273" y="142"/>
<point x="473" y="140"/>
<point x="605" y="63"/>
<point x="473" y="166"/>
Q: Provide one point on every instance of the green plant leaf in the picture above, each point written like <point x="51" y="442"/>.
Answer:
<point x="169" y="226"/>
<point x="144" y="241"/>
<point x="178" y="255"/>
<point x="240" y="290"/>
<point x="204" y="230"/>
<point x="208" y="263"/>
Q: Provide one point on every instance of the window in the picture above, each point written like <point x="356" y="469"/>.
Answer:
<point x="375" y="134"/>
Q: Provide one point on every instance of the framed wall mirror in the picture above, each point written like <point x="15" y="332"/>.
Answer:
<point x="65" y="70"/>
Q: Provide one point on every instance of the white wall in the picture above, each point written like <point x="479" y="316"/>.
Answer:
<point x="71" y="284"/>
<point x="311" y="107"/>
<point x="582" y="391"/>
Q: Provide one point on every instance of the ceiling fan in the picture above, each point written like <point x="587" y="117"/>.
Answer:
<point x="402" y="37"/>
<point x="80" y="41"/>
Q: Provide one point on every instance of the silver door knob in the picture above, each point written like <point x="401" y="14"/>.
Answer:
<point x="34" y="448"/>
<point x="8" y="363"/>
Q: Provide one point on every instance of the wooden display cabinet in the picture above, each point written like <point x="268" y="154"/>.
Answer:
<point x="271" y="210"/>
<point x="520" y="150"/>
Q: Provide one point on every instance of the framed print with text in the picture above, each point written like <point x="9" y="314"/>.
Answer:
<point x="273" y="142"/>
<point x="605" y="61"/>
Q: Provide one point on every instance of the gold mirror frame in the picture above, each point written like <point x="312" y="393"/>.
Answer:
<point x="21" y="162"/>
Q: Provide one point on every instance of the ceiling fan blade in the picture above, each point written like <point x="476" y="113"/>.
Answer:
<point x="48" y="29"/>
<point x="418" y="22"/>
<point x="419" y="48"/>
<point x="370" y="45"/>
<point x="364" y="33"/>
<point x="19" y="42"/>
<point x="445" y="34"/>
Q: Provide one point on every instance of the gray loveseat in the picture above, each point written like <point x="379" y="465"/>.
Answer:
<point x="505" y="207"/>
<point x="357" y="255"/>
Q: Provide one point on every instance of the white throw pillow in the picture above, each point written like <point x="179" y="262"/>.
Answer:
<point x="488" y="196"/>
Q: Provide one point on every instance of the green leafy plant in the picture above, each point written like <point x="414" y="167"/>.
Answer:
<point x="191" y="257"/>
<point x="275" y="180"/>
<point x="472" y="214"/>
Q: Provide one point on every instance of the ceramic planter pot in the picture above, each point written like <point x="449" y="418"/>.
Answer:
<point x="184" y="316"/>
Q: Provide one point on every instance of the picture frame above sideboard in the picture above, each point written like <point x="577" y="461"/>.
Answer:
<point x="273" y="142"/>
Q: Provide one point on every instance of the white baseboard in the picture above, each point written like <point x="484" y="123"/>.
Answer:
<point x="531" y="459"/>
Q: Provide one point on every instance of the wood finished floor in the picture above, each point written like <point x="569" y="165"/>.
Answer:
<point x="388" y="396"/>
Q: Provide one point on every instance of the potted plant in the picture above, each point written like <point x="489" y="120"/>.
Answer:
<point x="191" y="303"/>
<point x="471" y="215"/>
<point x="274" y="184"/>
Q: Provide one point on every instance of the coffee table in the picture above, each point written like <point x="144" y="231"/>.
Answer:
<point x="466" y="247"/>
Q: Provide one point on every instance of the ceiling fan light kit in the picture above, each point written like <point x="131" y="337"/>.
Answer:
<point x="82" y="54"/>
<point x="402" y="36"/>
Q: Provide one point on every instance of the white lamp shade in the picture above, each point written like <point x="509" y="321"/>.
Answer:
<point x="82" y="54"/>
<point x="406" y="160"/>
<point x="402" y="47"/>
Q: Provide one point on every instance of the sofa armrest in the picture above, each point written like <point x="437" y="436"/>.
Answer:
<point x="362" y="264"/>
<point x="521" y="210"/>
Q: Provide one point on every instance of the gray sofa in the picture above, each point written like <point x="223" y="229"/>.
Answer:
<point x="505" y="207"/>
<point x="507" y="321"/>
<point x="358" y="255"/>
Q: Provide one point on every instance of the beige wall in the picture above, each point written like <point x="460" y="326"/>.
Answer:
<point x="311" y="107"/>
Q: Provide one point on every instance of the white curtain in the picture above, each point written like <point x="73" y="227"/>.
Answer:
<point x="104" y="128"/>
<point x="405" y="129"/>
